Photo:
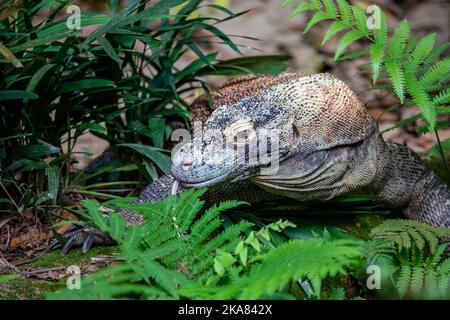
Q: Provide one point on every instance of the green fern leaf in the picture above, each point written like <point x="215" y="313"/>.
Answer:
<point x="436" y="73"/>
<point x="421" y="51"/>
<point x="285" y="3"/>
<point x="316" y="18"/>
<point x="430" y="283"/>
<point x="410" y="44"/>
<point x="314" y="259"/>
<point x="390" y="229"/>
<point x="435" y="53"/>
<point x="442" y="97"/>
<point x="405" y="240"/>
<point x="417" y="280"/>
<point x="398" y="41"/>
<point x="331" y="9"/>
<point x="361" y="20"/>
<point x="432" y="239"/>
<point x="436" y="257"/>
<point x="443" y="286"/>
<point x="212" y="213"/>
<point x="417" y="238"/>
<point x="403" y="281"/>
<point x="396" y="77"/>
<point x="381" y="34"/>
<point x="335" y="27"/>
<point x="346" y="12"/>
<point x="422" y="99"/>
<point x="444" y="267"/>
<point x="305" y="6"/>
<point x="187" y="208"/>
<point x="376" y="59"/>
<point x="345" y="41"/>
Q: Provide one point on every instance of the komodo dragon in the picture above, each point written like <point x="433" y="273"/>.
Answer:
<point x="328" y="145"/>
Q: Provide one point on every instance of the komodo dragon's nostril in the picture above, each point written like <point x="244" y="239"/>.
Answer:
<point x="187" y="164"/>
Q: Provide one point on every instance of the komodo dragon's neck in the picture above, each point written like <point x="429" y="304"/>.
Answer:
<point x="405" y="182"/>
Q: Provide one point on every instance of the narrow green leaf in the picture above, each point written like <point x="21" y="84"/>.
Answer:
<point x="107" y="46"/>
<point x="153" y="154"/>
<point x="86" y="84"/>
<point x="16" y="94"/>
<point x="37" y="77"/>
<point x="53" y="175"/>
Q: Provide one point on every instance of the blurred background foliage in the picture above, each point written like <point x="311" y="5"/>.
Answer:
<point x="119" y="78"/>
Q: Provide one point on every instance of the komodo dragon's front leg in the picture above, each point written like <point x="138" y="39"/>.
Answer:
<point x="320" y="136"/>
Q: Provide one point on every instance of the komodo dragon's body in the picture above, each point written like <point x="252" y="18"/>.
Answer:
<point x="326" y="142"/>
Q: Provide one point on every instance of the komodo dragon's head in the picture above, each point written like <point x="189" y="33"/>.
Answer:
<point x="301" y="114"/>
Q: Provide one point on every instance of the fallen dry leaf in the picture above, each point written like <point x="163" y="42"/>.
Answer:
<point x="67" y="215"/>
<point x="30" y="239"/>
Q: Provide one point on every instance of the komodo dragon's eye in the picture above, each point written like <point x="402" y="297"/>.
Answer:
<point x="240" y="132"/>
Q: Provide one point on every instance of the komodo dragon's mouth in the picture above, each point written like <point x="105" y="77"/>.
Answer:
<point x="206" y="183"/>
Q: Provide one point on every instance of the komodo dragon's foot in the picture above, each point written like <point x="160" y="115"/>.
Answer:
<point x="87" y="235"/>
<point x="84" y="237"/>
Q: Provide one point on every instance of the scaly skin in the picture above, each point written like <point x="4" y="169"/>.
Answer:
<point x="328" y="146"/>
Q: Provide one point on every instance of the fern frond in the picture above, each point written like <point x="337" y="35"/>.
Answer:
<point x="345" y="12"/>
<point x="316" y="18"/>
<point x="396" y="77"/>
<point x="435" y="259"/>
<point x="330" y="8"/>
<point x="431" y="238"/>
<point x="313" y="259"/>
<point x="404" y="279"/>
<point x="404" y="240"/>
<point x="334" y="28"/>
<point x="442" y="97"/>
<point x="380" y="34"/>
<point x="422" y="99"/>
<point x="187" y="208"/>
<point x="410" y="44"/>
<point x="417" y="280"/>
<point x="420" y="52"/>
<point x="443" y="285"/>
<point x="436" y="72"/>
<point x="360" y="20"/>
<point x="430" y="283"/>
<point x="285" y="3"/>
<point x="226" y="240"/>
<point x="306" y="6"/>
<point x="390" y="230"/>
<point x="398" y="41"/>
<point x="209" y="222"/>
<point x="435" y="53"/>
<point x="417" y="239"/>
<point x="376" y="59"/>
<point x="346" y="41"/>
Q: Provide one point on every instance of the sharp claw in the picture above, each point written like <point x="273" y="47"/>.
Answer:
<point x="87" y="244"/>
<point x="67" y="246"/>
